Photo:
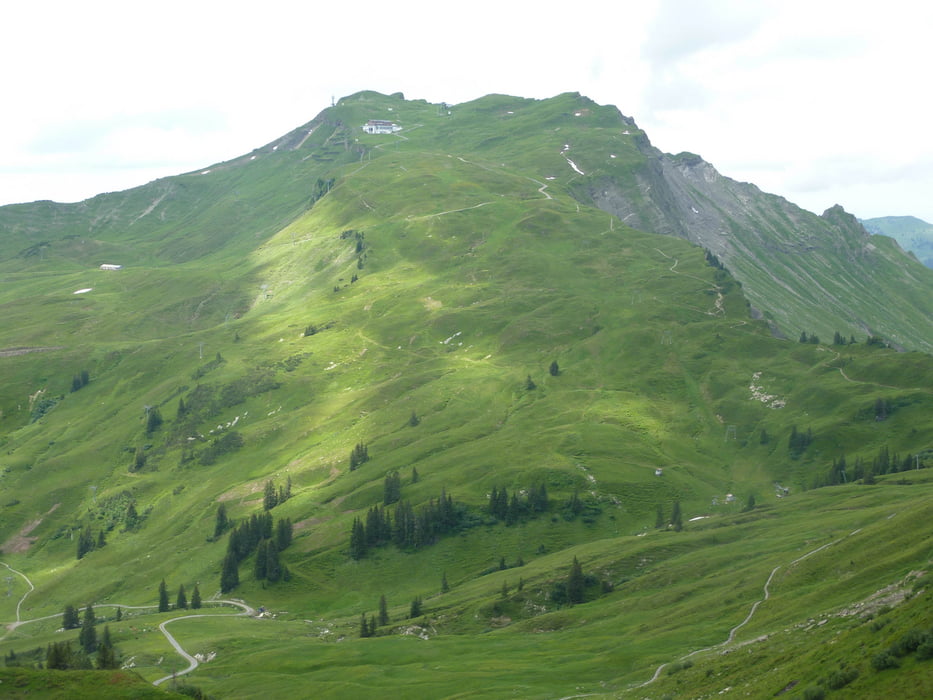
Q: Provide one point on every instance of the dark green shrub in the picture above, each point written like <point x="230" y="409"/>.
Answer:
<point x="884" y="660"/>
<point x="841" y="678"/>
<point x="814" y="692"/>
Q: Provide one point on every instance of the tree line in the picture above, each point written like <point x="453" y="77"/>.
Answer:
<point x="521" y="504"/>
<point x="864" y="470"/>
<point x="406" y="527"/>
<point x="262" y="535"/>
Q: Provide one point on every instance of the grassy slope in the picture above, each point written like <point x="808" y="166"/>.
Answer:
<point x="462" y="248"/>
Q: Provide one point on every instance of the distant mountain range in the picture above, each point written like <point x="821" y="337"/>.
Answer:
<point x="911" y="233"/>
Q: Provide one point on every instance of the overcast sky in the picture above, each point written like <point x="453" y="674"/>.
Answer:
<point x="820" y="101"/>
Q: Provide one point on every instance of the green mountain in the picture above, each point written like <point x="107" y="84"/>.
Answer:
<point x="912" y="234"/>
<point x="457" y="430"/>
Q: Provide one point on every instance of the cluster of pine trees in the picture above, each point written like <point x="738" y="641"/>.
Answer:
<point x="273" y="496"/>
<point x="88" y="542"/>
<point x="61" y="656"/>
<point x="406" y="528"/>
<point x="358" y="455"/>
<point x="882" y="463"/>
<point x="798" y="441"/>
<point x="676" y="521"/>
<point x="79" y="381"/>
<point x="181" y="600"/>
<point x="521" y="504"/>
<point x="264" y="536"/>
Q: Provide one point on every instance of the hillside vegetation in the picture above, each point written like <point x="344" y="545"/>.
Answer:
<point x="340" y="329"/>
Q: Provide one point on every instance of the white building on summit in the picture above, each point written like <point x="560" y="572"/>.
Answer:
<point x="380" y="126"/>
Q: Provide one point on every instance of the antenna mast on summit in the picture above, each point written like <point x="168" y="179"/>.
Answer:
<point x="332" y="103"/>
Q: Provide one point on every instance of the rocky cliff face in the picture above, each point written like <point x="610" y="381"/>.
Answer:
<point x="801" y="271"/>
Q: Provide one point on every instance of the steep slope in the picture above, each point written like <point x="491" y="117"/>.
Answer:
<point x="804" y="273"/>
<point x="911" y="233"/>
<point x="441" y="305"/>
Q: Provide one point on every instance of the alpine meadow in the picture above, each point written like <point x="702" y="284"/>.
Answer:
<point x="488" y="400"/>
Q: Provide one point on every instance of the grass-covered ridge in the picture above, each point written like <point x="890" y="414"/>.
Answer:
<point x="399" y="292"/>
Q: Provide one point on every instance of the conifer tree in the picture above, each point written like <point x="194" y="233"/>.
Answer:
<point x="415" y="609"/>
<point x="659" y="518"/>
<point x="221" y="523"/>
<point x="364" y="626"/>
<point x="576" y="584"/>
<point x="269" y="500"/>
<point x="196" y="598"/>
<point x="85" y="541"/>
<point x="106" y="655"/>
<point x="273" y="565"/>
<point x="163" y="597"/>
<point x="153" y="420"/>
<point x="132" y="517"/>
<point x="58" y="655"/>
<point x="383" y="611"/>
<point x="139" y="459"/>
<point x="444" y="585"/>
<point x="87" y="637"/>
<point x="357" y="539"/>
<point x="70" y="618"/>
<point x="181" y="601"/>
<point x="283" y="533"/>
<point x="391" y="488"/>
<point x="260" y="569"/>
<point x="676" y="518"/>
<point x="229" y="573"/>
<point x="554" y="369"/>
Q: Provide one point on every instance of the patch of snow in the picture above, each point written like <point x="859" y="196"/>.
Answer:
<point x="252" y="157"/>
<point x="699" y="517"/>
<point x="574" y="166"/>
<point x="205" y="172"/>
<point x="82" y="291"/>
<point x="612" y="155"/>
<point x="694" y="210"/>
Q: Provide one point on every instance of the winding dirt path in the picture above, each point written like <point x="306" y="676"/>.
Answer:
<point x="193" y="662"/>
<point x="19" y="621"/>
<point x="765" y="596"/>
